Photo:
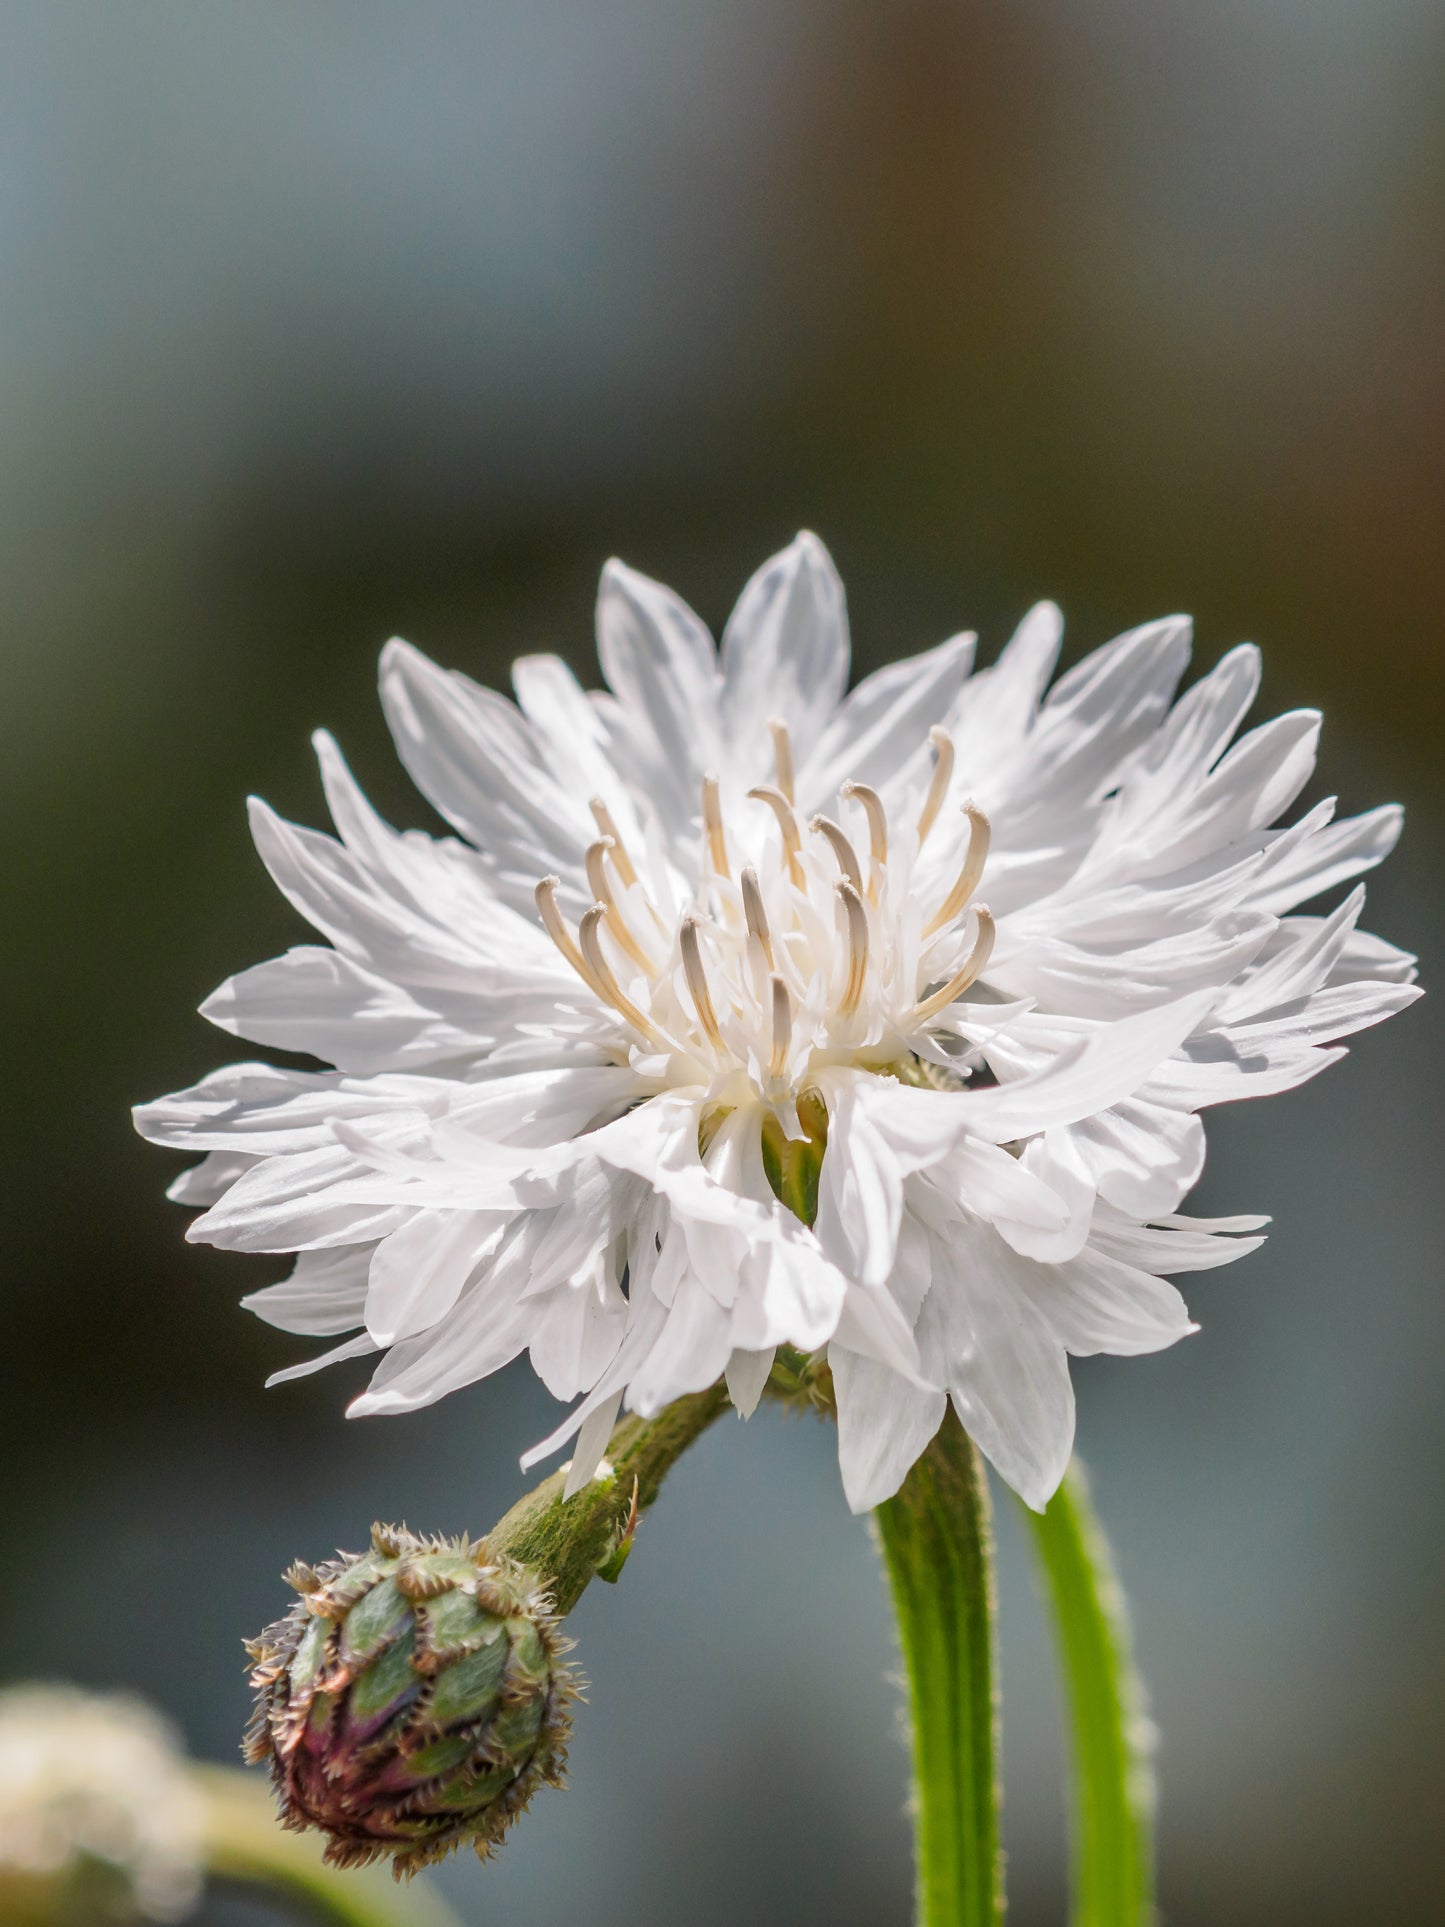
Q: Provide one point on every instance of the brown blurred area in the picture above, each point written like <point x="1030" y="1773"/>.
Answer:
<point x="322" y="324"/>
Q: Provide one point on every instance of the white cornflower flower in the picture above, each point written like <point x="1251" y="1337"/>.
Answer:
<point x="748" y="1012"/>
<point x="98" y="1817"/>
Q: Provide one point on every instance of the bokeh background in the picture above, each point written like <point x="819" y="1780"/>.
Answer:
<point x="322" y="322"/>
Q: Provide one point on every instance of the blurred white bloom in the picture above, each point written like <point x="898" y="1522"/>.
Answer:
<point x="98" y="1817"/>
<point x="717" y="940"/>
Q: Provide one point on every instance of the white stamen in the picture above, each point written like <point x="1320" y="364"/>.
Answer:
<point x="595" y="863"/>
<point x="589" y="935"/>
<point x="938" y="787"/>
<point x="974" y="966"/>
<point x="967" y="880"/>
<point x="621" y="861"/>
<point x="856" y="918"/>
<point x="787" y="825"/>
<point x="555" y="925"/>
<point x="713" y="824"/>
<point x="782" y="756"/>
<point x="756" y="914"/>
<point x="782" y="1028"/>
<point x="696" y="976"/>
<point x="842" y="849"/>
<point x="877" y="816"/>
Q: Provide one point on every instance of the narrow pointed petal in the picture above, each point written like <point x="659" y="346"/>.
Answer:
<point x="884" y="1422"/>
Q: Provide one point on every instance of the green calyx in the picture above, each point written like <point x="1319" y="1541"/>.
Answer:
<point x="412" y="1700"/>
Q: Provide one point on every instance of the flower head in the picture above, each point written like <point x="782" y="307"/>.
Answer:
<point x="742" y="1011"/>
<point x="413" y="1699"/>
<point x="98" y="1817"/>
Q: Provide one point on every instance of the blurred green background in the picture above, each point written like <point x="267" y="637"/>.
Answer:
<point x="320" y="323"/>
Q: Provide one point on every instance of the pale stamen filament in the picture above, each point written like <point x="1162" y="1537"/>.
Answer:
<point x="599" y="884"/>
<point x="782" y="1028"/>
<point x="589" y="935"/>
<point x="692" y="969"/>
<point x="787" y="826"/>
<point x="973" y="968"/>
<point x="783" y="756"/>
<point x="856" y="918"/>
<point x="555" y="925"/>
<point x="621" y="861"/>
<point x="842" y="849"/>
<point x="968" y="877"/>
<point x="595" y="864"/>
<point x="713" y="824"/>
<point x="756" y="914"/>
<point x="938" y="787"/>
<point x="877" y="817"/>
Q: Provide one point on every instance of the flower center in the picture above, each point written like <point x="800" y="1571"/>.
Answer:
<point x="801" y="946"/>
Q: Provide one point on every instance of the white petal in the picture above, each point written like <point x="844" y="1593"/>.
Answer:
<point x="1058" y="1164"/>
<point x="860" y="1187"/>
<point x="879" y="735"/>
<point x="659" y="661"/>
<point x="784" y="654"/>
<point x="998" y="706"/>
<point x="298" y="1203"/>
<point x="1007" y="1371"/>
<point x="1097" y="715"/>
<point x="1098" y="1304"/>
<point x="592" y="1437"/>
<point x="647" y="1316"/>
<point x="1331" y="856"/>
<point x="690" y="1354"/>
<point x="870" y="1322"/>
<point x="489" y="1326"/>
<point x="208" y="1182"/>
<point x="1144" y="1156"/>
<point x="320" y="1002"/>
<point x="1103" y="1066"/>
<point x="884" y="1423"/>
<point x="257" y="1108"/>
<point x="578" y="1333"/>
<point x="325" y="1293"/>
<point x="1211" y="1071"/>
<point x="359" y="1347"/>
<point x="473" y="755"/>
<point x="1182" y="1244"/>
<point x="1188" y="744"/>
<point x="418" y="1271"/>
<point x="747" y="1374"/>
<point x="790" y="1294"/>
<point x="993" y="1184"/>
<point x="571" y="734"/>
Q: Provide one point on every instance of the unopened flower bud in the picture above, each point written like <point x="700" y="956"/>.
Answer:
<point x="413" y="1699"/>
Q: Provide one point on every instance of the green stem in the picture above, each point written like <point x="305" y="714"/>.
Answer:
<point x="571" y="1541"/>
<point x="1113" y="1795"/>
<point x="937" y="1543"/>
<point x="245" y="1844"/>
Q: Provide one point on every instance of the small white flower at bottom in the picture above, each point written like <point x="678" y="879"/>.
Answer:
<point x="98" y="1816"/>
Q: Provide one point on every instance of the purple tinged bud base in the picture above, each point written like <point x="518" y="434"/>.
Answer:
<point x="412" y="1700"/>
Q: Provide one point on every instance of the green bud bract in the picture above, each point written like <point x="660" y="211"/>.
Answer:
<point x="412" y="1700"/>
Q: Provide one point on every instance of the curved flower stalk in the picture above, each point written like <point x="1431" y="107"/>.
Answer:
<point x="742" y="1011"/>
